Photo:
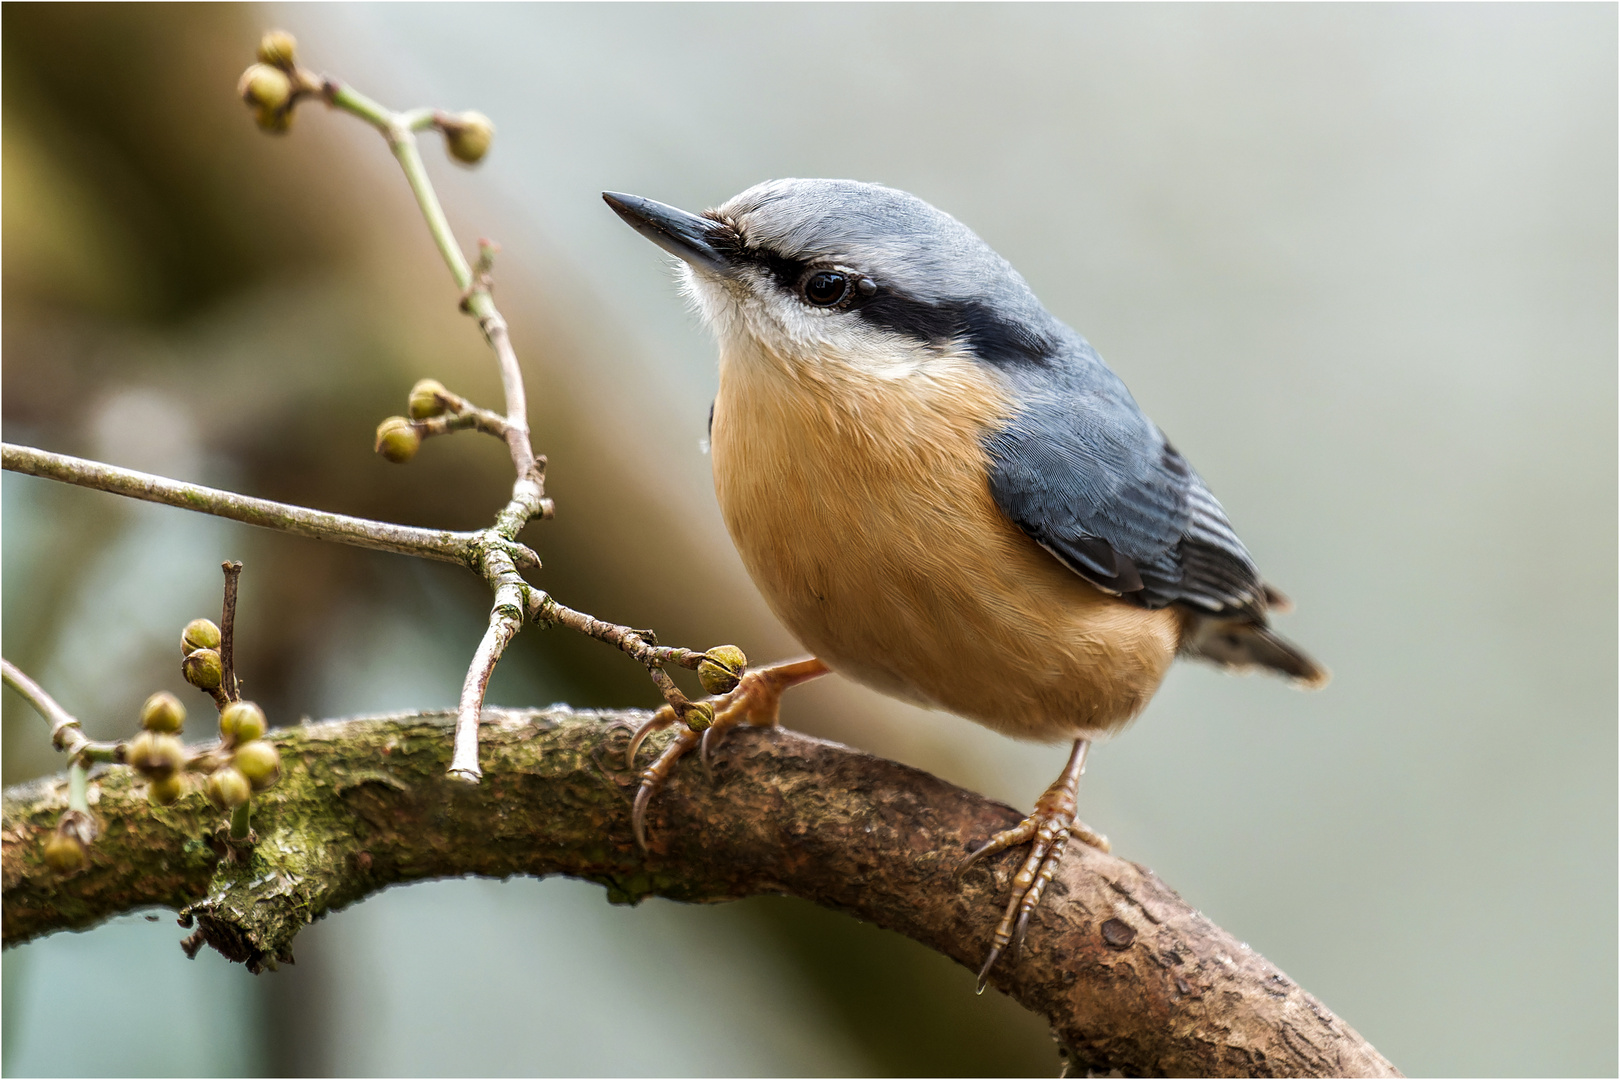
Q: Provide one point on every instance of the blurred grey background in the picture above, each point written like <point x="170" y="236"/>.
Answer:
<point x="1358" y="261"/>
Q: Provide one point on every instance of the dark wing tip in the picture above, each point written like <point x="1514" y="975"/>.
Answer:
<point x="1235" y="643"/>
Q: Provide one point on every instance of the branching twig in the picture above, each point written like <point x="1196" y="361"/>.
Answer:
<point x="528" y="499"/>
<point x="65" y="733"/>
<point x="441" y="544"/>
<point x="460" y="415"/>
<point x="639" y="645"/>
<point x="274" y="87"/>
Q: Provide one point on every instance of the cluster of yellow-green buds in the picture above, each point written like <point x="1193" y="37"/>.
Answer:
<point x="253" y="765"/>
<point x="398" y="437"/>
<point x="201" y="663"/>
<point x="719" y="671"/>
<point x="157" y="752"/>
<point x="272" y="86"/>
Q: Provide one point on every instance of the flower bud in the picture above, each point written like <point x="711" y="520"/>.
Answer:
<point x="203" y="669"/>
<point x="154" y="754"/>
<point x="698" y="715"/>
<point x="242" y="722"/>
<point x="426" y="400"/>
<point x="721" y="669"/>
<point x="274" y="121"/>
<point x="278" y="48"/>
<point x="228" y="788"/>
<point x="164" y="790"/>
<point x="199" y="634"/>
<point x="163" y="712"/>
<point x="260" y="763"/>
<point x="138" y="751"/>
<point x="468" y="136"/>
<point x="265" y="87"/>
<point x="64" y="853"/>
<point x="397" y="440"/>
<point x="167" y="755"/>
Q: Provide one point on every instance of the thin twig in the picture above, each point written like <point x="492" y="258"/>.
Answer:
<point x="543" y="608"/>
<point x="505" y="620"/>
<point x="78" y="788"/>
<point x="501" y="630"/>
<point x="227" y="632"/>
<point x="528" y="499"/>
<point x="517" y="409"/>
<point x="472" y="419"/>
<point x="399" y="130"/>
<point x="441" y="544"/>
<point x="65" y="733"/>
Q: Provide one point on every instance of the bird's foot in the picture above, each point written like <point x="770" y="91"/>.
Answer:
<point x="756" y="699"/>
<point x="1047" y="831"/>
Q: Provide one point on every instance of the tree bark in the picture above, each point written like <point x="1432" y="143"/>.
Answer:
<point x="1130" y="977"/>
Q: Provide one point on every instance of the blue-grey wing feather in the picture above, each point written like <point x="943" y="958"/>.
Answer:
<point x="1088" y="476"/>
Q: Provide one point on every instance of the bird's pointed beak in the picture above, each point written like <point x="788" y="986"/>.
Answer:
<point x="685" y="236"/>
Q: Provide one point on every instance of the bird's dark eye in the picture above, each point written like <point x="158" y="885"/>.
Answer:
<point x="826" y="288"/>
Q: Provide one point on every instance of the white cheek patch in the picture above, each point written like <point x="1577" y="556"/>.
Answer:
<point x="710" y="296"/>
<point x="751" y="316"/>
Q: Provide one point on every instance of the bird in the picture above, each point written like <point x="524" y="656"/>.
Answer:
<point x="945" y="494"/>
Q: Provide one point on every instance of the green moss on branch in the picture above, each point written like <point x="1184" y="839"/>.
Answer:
<point x="1130" y="977"/>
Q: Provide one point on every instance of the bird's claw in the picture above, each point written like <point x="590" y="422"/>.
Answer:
<point x="655" y="775"/>
<point x="658" y="721"/>
<point x="1047" y="830"/>
<point x="756" y="699"/>
<point x="706" y="747"/>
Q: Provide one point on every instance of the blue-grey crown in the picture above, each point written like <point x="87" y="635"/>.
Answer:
<point x="937" y="279"/>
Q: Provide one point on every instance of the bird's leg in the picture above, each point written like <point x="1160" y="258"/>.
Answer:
<point x="756" y="699"/>
<point x="1047" y="831"/>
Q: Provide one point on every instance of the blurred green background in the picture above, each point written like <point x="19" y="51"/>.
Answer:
<point x="1359" y="262"/>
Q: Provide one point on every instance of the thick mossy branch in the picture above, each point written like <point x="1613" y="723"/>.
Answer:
<point x="1130" y="977"/>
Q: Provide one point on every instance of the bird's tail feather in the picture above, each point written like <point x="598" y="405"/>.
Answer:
<point x="1243" y="645"/>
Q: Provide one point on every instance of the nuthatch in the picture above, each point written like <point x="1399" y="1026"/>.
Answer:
<point x="943" y="491"/>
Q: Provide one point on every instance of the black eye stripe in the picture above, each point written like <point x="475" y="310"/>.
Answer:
<point x="991" y="337"/>
<point x="787" y="272"/>
<point x="994" y="339"/>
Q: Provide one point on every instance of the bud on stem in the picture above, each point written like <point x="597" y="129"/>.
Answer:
<point x="163" y="712"/>
<point x="721" y="669"/>
<point x="203" y="669"/>
<point x="199" y="634"/>
<point x="397" y="439"/>
<point x="467" y="135"/>
<point x="428" y="399"/>
<point x="279" y="49"/>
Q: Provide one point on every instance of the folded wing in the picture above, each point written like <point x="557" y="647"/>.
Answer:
<point x="1090" y="478"/>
